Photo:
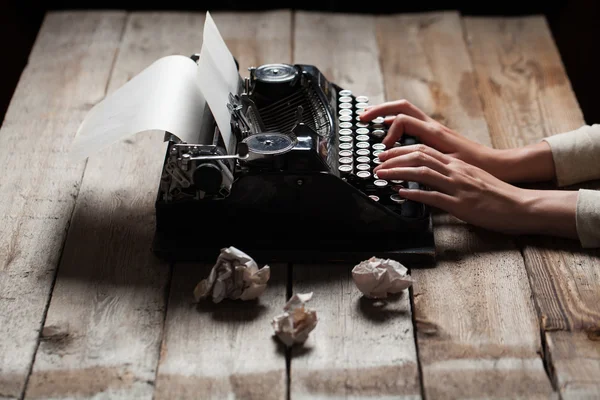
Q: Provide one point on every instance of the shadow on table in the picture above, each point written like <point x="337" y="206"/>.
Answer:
<point x="383" y="310"/>
<point x="232" y="310"/>
<point x="110" y="243"/>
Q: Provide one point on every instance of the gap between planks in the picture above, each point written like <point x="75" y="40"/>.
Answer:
<point x="527" y="84"/>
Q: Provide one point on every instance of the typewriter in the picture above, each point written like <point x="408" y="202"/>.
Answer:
<point x="299" y="186"/>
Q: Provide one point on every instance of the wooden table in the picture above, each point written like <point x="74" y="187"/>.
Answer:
<point x="86" y="310"/>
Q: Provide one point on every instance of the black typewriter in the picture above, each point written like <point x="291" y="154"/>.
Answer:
<point x="299" y="185"/>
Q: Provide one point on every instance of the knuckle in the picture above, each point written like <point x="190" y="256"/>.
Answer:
<point x="400" y="118"/>
<point x="420" y="157"/>
<point x="422" y="171"/>
<point x="421" y="148"/>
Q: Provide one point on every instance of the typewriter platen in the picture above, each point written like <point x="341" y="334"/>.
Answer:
<point x="298" y="184"/>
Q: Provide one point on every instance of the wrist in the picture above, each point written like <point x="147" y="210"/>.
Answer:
<point x="533" y="163"/>
<point x="549" y="212"/>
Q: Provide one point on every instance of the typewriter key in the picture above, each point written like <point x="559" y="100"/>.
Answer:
<point x="345" y="118"/>
<point x="373" y="197"/>
<point x="345" y="131"/>
<point x="363" y="167"/>
<point x="346" y="139"/>
<point x="346" y="160"/>
<point x="376" y="161"/>
<point x="376" y="153"/>
<point x="362" y="131"/>
<point x="362" y="105"/>
<point x="363" y="160"/>
<point x="362" y="99"/>
<point x="362" y="152"/>
<point x="361" y="145"/>
<point x="397" y="181"/>
<point x="378" y="126"/>
<point x="345" y="111"/>
<point x="380" y="183"/>
<point x="345" y="92"/>
<point x="345" y="169"/>
<point x="361" y="125"/>
<point x="345" y="99"/>
<point x="345" y="146"/>
<point x="346" y="153"/>
<point x="346" y="105"/>
<point x="378" y="133"/>
<point x="362" y="138"/>
<point x="378" y="146"/>
<point x="364" y="175"/>
<point x="378" y="120"/>
<point x="397" y="199"/>
<point x="345" y="125"/>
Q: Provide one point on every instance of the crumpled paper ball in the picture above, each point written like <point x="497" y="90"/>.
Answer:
<point x="297" y="321"/>
<point x="377" y="277"/>
<point x="235" y="276"/>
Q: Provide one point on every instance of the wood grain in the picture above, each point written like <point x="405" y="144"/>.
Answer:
<point x="39" y="184"/>
<point x="359" y="349"/>
<point x="228" y="350"/>
<point x="103" y="329"/>
<point x="224" y="350"/>
<point x="478" y="335"/>
<point x="575" y="357"/>
<point x="528" y="96"/>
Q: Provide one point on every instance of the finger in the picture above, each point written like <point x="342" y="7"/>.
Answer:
<point x="424" y="175"/>
<point x="430" y="198"/>
<point x="414" y="159"/>
<point x="414" y="148"/>
<point x="424" y="131"/>
<point x="393" y="108"/>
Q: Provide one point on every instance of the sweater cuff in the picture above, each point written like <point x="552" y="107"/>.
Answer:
<point x="588" y="218"/>
<point x="575" y="154"/>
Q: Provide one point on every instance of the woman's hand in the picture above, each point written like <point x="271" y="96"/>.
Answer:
<point x="475" y="196"/>
<point x="526" y="164"/>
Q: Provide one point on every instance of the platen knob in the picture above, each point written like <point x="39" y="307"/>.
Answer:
<point x="208" y="178"/>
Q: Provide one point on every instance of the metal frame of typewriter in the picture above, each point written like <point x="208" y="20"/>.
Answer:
<point x="280" y="195"/>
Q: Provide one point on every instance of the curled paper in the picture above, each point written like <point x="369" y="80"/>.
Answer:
<point x="165" y="96"/>
<point x="377" y="277"/>
<point x="297" y="321"/>
<point x="235" y="276"/>
<point x="173" y="94"/>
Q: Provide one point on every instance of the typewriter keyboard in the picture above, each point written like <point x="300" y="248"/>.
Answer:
<point x="359" y="146"/>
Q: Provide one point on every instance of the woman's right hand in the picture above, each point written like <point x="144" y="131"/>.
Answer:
<point x="530" y="163"/>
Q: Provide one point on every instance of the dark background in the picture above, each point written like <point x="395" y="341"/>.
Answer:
<point x="575" y="26"/>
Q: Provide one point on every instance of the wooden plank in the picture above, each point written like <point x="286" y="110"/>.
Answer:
<point x="575" y="356"/>
<point x="104" y="324"/>
<point x="528" y="96"/>
<point x="478" y="334"/>
<point x="358" y="349"/>
<point x="39" y="184"/>
<point x="227" y="350"/>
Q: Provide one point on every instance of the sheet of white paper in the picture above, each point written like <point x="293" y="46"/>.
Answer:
<point x="164" y="96"/>
<point x="217" y="77"/>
